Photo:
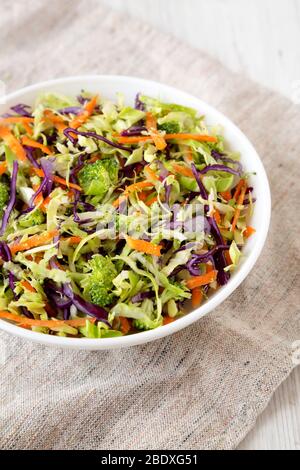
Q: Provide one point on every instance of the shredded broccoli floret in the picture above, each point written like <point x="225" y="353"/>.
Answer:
<point x="33" y="218"/>
<point x="170" y="127"/>
<point x="96" y="178"/>
<point x="4" y="196"/>
<point x="147" y="324"/>
<point x="98" y="283"/>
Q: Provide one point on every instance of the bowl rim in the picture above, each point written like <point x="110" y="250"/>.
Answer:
<point x="220" y="295"/>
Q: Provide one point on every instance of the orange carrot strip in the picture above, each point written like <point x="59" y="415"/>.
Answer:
<point x="57" y="121"/>
<point x="3" y="167"/>
<point x="144" y="246"/>
<point x="118" y="201"/>
<point x="226" y="195"/>
<point x="46" y="323"/>
<point x="27" y="128"/>
<point x="27" y="286"/>
<point x="145" y="138"/>
<point x="63" y="182"/>
<point x="201" y="280"/>
<point x="12" y="142"/>
<point x="16" y="120"/>
<point x="83" y="117"/>
<point x="182" y="170"/>
<point x="39" y="172"/>
<point x="197" y="297"/>
<point x="39" y="198"/>
<point x="150" y="174"/>
<point x="151" y="201"/>
<point x="167" y="320"/>
<point x="238" y="211"/>
<point x="151" y="125"/>
<point x="208" y="268"/>
<point x="34" y="144"/>
<point x="227" y="257"/>
<point x="72" y="240"/>
<point x="238" y="189"/>
<point x="249" y="231"/>
<point x="137" y="186"/>
<point x="125" y="325"/>
<point x="34" y="241"/>
<point x="217" y="216"/>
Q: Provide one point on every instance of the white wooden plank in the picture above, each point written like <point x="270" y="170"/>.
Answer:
<point x="260" y="38"/>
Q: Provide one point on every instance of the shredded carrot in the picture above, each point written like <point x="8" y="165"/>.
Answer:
<point x="151" y="125"/>
<point x="34" y="144"/>
<point x="151" y="201"/>
<point x="73" y="240"/>
<point x="16" y="120"/>
<point x="144" y="246"/>
<point x="143" y="196"/>
<point x="87" y="111"/>
<point x="118" y="201"/>
<point x="27" y="128"/>
<point x="12" y="142"/>
<point x="145" y="138"/>
<point x="27" y="286"/>
<point x="137" y="187"/>
<point x="226" y="195"/>
<point x="197" y="297"/>
<point x="39" y="172"/>
<point x="55" y="120"/>
<point x="209" y="268"/>
<point x="182" y="170"/>
<point x="125" y="325"/>
<point x="249" y="231"/>
<point x="63" y="182"/>
<point x="32" y="242"/>
<point x="167" y="320"/>
<point x="188" y="156"/>
<point x="238" y="211"/>
<point x="150" y="174"/>
<point x="39" y="198"/>
<point x="201" y="280"/>
<point x="76" y="322"/>
<point x="238" y="189"/>
<point x="3" y="167"/>
<point x="228" y="258"/>
<point x="94" y="159"/>
<point x="217" y="216"/>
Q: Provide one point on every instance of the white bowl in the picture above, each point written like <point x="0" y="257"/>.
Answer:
<point x="107" y="86"/>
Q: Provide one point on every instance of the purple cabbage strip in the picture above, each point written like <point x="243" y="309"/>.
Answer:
<point x="90" y="309"/>
<point x="82" y="100"/>
<point x="199" y="182"/>
<point x="71" y="110"/>
<point x="138" y="104"/>
<point x="168" y="188"/>
<point x="29" y="154"/>
<point x="141" y="296"/>
<point x="39" y="191"/>
<point x="12" y="199"/>
<point x="192" y="264"/>
<point x="219" y="258"/>
<point x="221" y="156"/>
<point x="133" y="130"/>
<point x="47" y="167"/>
<point x="219" y="168"/>
<point x="5" y="252"/>
<point x="21" y="109"/>
<point x="93" y="135"/>
<point x="163" y="171"/>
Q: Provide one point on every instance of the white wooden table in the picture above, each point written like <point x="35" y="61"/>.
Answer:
<point x="260" y="38"/>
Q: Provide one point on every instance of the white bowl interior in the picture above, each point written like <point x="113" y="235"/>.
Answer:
<point x="108" y="86"/>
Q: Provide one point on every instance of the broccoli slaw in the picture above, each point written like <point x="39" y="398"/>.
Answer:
<point x="113" y="218"/>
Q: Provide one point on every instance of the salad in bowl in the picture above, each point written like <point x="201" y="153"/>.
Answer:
<point x="115" y="218"/>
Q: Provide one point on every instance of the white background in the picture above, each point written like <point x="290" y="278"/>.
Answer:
<point x="261" y="39"/>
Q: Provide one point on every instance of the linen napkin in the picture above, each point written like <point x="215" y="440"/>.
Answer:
<point x="201" y="388"/>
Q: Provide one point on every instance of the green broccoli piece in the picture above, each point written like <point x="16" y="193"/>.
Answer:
<point x="146" y="323"/>
<point x="98" y="283"/>
<point x="33" y="218"/>
<point x="96" y="178"/>
<point x="4" y="196"/>
<point x="170" y="127"/>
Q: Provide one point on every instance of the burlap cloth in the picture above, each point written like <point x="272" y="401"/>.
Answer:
<point x="203" y="387"/>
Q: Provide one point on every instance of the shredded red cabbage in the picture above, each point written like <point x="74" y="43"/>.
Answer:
<point x="219" y="168"/>
<point x="71" y="110"/>
<point x="133" y="130"/>
<point x="93" y="135"/>
<point x="22" y="109"/>
<point x="138" y="103"/>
